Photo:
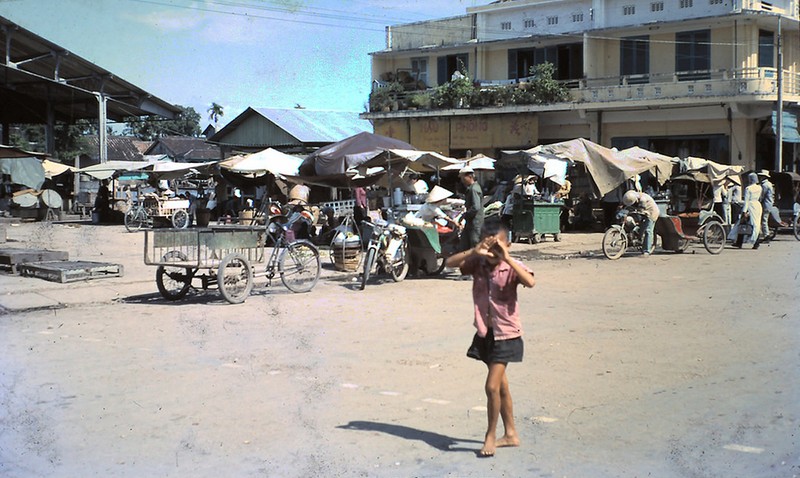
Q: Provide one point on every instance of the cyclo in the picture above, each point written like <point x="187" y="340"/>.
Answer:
<point x="690" y="217"/>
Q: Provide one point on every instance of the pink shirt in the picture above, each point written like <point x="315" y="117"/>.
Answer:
<point x="494" y="291"/>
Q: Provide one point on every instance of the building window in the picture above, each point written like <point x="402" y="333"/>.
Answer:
<point x="419" y="67"/>
<point x="657" y="7"/>
<point x="686" y="3"/>
<point x="505" y="25"/>
<point x="715" y="2"/>
<point x="577" y="17"/>
<point x="693" y="55"/>
<point x="529" y="23"/>
<point x="634" y="57"/>
<point x="552" y="20"/>
<point x="449" y="64"/>
<point x="629" y="10"/>
<point x="766" y="49"/>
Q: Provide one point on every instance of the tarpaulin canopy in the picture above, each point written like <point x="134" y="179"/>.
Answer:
<point x="542" y="164"/>
<point x="342" y="181"/>
<point x="174" y="170"/>
<point x="266" y="161"/>
<point x="27" y="171"/>
<point x="348" y="153"/>
<point x="53" y="169"/>
<point x="419" y="161"/>
<point x="608" y="168"/>
<point x="479" y="162"/>
<point x="110" y="168"/>
<point x="661" y="164"/>
<point x="715" y="171"/>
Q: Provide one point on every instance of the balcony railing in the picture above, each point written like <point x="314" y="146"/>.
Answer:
<point x="687" y="84"/>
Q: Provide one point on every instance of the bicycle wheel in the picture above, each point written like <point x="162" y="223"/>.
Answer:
<point x="398" y="269"/>
<point x="173" y="282"/>
<point x="796" y="227"/>
<point x="134" y="220"/>
<point x="614" y="243"/>
<point x="180" y="219"/>
<point x="714" y="237"/>
<point x="369" y="260"/>
<point x="299" y="266"/>
<point x="235" y="278"/>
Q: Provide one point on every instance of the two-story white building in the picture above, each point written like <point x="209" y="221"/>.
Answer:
<point x="681" y="77"/>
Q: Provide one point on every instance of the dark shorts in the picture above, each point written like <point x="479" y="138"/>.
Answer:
<point x="488" y="350"/>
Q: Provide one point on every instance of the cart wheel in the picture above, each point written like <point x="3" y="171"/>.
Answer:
<point x="714" y="237"/>
<point x="614" y="243"/>
<point x="683" y="245"/>
<point x="180" y="219"/>
<point x="440" y="261"/>
<point x="399" y="269"/>
<point x="235" y="278"/>
<point x="299" y="266"/>
<point x="134" y="220"/>
<point x="173" y="282"/>
<point x="557" y="237"/>
<point x="797" y="227"/>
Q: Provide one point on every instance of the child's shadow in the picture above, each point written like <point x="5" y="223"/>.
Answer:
<point x="440" y="442"/>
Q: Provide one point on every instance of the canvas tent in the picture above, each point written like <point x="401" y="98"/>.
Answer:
<point x="479" y="162"/>
<point x="608" y="168"/>
<point x="348" y="153"/>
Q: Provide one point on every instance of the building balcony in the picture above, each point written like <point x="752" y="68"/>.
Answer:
<point x="681" y="88"/>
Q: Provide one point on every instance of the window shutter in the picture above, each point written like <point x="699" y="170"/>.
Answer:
<point x="441" y="70"/>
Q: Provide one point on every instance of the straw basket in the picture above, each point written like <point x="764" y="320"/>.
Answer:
<point x="346" y="257"/>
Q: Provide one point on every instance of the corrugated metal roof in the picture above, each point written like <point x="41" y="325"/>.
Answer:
<point x="316" y="126"/>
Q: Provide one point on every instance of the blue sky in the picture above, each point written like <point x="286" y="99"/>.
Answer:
<point x="238" y="53"/>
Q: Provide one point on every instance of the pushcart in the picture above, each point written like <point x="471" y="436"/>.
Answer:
<point x="533" y="219"/>
<point x="153" y="209"/>
<point x="228" y="257"/>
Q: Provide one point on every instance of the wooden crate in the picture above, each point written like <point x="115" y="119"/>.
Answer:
<point x="70" y="271"/>
<point x="12" y="258"/>
<point x="346" y="259"/>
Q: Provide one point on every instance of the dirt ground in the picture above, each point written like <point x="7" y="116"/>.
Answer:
<point x="680" y="365"/>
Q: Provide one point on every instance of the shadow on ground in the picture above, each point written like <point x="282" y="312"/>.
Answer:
<point x="435" y="440"/>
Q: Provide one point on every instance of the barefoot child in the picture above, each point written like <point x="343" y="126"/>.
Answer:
<point x="498" y="339"/>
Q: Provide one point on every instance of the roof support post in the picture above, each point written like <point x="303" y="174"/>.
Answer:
<point x="102" y="117"/>
<point x="50" y="129"/>
<point x="779" y="116"/>
<point x="6" y="134"/>
<point x="8" y="33"/>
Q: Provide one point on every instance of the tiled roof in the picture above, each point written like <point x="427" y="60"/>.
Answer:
<point x="120" y="148"/>
<point x="187" y="148"/>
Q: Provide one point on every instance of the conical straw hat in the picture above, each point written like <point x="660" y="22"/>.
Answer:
<point x="437" y="194"/>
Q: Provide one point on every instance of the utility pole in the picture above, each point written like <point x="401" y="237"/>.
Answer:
<point x="779" y="109"/>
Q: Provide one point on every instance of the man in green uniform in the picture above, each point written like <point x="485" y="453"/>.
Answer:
<point x="473" y="201"/>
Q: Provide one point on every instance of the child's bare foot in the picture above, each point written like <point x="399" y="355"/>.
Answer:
<point x="488" y="446"/>
<point x="508" y="440"/>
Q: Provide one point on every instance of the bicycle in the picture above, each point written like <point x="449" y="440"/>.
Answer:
<point x="387" y="248"/>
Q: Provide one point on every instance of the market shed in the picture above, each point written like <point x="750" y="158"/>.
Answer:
<point x="41" y="83"/>
<point x="287" y="130"/>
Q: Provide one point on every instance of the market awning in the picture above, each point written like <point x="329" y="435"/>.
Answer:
<point x="267" y="161"/>
<point x="479" y="162"/>
<point x="53" y="169"/>
<point x="174" y="170"/>
<point x="109" y="169"/>
<point x="348" y="153"/>
<point x="27" y="171"/>
<point x="419" y="161"/>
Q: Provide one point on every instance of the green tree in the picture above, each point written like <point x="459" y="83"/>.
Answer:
<point x="544" y="88"/>
<point x="215" y="113"/>
<point x="149" y="128"/>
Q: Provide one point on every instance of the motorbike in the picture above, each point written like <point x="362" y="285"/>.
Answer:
<point x="386" y="250"/>
<point x="628" y="233"/>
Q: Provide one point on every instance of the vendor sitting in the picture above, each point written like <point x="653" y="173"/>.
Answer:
<point x="431" y="210"/>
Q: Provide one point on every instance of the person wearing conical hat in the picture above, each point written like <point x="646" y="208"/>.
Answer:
<point x="431" y="210"/>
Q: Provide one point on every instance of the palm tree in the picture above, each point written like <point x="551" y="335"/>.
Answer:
<point x="215" y="113"/>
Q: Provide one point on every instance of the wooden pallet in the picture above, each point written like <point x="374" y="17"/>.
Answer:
<point x="70" y="271"/>
<point x="12" y="258"/>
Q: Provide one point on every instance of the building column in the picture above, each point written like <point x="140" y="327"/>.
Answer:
<point x="102" y="102"/>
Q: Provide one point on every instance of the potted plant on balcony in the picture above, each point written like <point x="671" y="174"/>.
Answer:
<point x="544" y="88"/>
<point x="385" y="98"/>
<point x="456" y="93"/>
<point x="420" y="100"/>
